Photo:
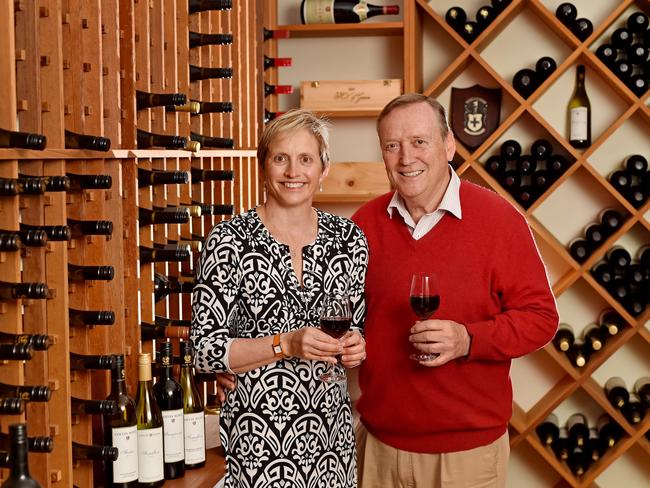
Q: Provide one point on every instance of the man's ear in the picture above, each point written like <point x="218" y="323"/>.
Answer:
<point x="450" y="146"/>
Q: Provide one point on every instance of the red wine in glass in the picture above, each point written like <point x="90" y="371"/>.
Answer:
<point x="424" y="299"/>
<point x="335" y="320"/>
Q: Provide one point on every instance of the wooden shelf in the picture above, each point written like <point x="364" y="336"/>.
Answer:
<point x="344" y="30"/>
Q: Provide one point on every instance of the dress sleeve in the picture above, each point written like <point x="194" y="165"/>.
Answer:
<point x="214" y="300"/>
<point x="359" y="257"/>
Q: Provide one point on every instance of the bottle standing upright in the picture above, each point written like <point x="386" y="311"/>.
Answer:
<point x="580" y="113"/>
<point x="194" y="415"/>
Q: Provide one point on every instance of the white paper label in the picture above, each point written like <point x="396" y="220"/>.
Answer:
<point x="318" y="12"/>
<point x="579" y="120"/>
<point x="173" y="435"/>
<point x="194" y="438"/>
<point x="150" y="455"/>
<point x="125" y="469"/>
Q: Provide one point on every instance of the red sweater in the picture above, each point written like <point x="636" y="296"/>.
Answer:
<point x="492" y="280"/>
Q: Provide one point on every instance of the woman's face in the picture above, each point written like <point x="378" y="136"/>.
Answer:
<point x="293" y="169"/>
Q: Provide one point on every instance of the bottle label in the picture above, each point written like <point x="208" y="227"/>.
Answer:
<point x="150" y="455"/>
<point x="318" y="12"/>
<point x="579" y="120"/>
<point x="173" y="435"/>
<point x="125" y="469"/>
<point x="194" y="438"/>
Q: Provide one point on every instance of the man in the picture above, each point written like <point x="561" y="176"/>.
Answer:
<point x="442" y="422"/>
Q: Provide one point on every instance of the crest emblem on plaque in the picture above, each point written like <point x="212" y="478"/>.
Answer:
<point x="475" y="113"/>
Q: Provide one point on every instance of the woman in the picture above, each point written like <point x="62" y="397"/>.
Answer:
<point x="259" y="287"/>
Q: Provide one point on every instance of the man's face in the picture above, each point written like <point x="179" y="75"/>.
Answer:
<point x="415" y="154"/>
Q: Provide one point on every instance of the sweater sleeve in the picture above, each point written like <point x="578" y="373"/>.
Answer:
<point x="528" y="318"/>
<point x="213" y="300"/>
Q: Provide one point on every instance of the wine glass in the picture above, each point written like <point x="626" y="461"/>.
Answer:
<point x="335" y="320"/>
<point x="424" y="299"/>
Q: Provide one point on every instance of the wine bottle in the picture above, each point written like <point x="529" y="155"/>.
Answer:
<point x="611" y="321"/>
<point x="217" y="142"/>
<point x="541" y="150"/>
<point x="525" y="195"/>
<point x="623" y="69"/>
<point x="341" y="11"/>
<point x="198" y="73"/>
<point x="197" y="39"/>
<point x="633" y="412"/>
<point x="525" y="165"/>
<point x="35" y="393"/>
<point x="150" y="428"/>
<point x="221" y="209"/>
<point x="564" y="337"/>
<point x="540" y="181"/>
<point x="594" y="235"/>
<point x="74" y="140"/>
<point x="607" y="54"/>
<point x="277" y="89"/>
<point x="578" y="430"/>
<point x="642" y="390"/>
<point x="209" y="107"/>
<point x="580" y="249"/>
<point x="549" y="430"/>
<point x="151" y="217"/>
<point x="93" y="452"/>
<point x="167" y="322"/>
<point x="169" y="396"/>
<point x="619" y="289"/>
<point x="79" y="228"/>
<point x="544" y="67"/>
<point x="12" y="406"/>
<point x="561" y="445"/>
<point x="80" y="362"/>
<point x="618" y="257"/>
<point x="90" y="182"/>
<point x="269" y="34"/>
<point x="643" y="257"/>
<point x="511" y="180"/>
<point x="92" y="407"/>
<point x="638" y="84"/>
<point x="636" y="195"/>
<point x="193" y="413"/>
<point x="196" y="6"/>
<point x="496" y="166"/>
<point x="31" y="291"/>
<point x="148" y="100"/>
<point x="621" y="180"/>
<point x="484" y="16"/>
<point x="148" y="255"/>
<point x="147" y="177"/>
<point x="40" y="342"/>
<point x="34" y="444"/>
<point x="578" y="461"/>
<point x="84" y="318"/>
<point x="52" y="183"/>
<point x="616" y="392"/>
<point x="9" y="241"/>
<point x="578" y="354"/>
<point x="86" y="273"/>
<point x="22" y="186"/>
<point x="122" y="432"/>
<point x="149" y="332"/>
<point x="582" y="28"/>
<point x="500" y="5"/>
<point x="19" y="464"/>
<point x="148" y="139"/>
<point x="637" y="22"/>
<point x="199" y="175"/>
<point x="592" y="335"/>
<point x="192" y="107"/>
<point x="23" y="140"/>
<point x="163" y="286"/>
<point x="510" y="150"/>
<point x="525" y="82"/>
<point x="456" y="18"/>
<point x="269" y="62"/>
<point x="566" y="13"/>
<point x="54" y="232"/>
<point x="637" y="53"/>
<point x="269" y="116"/>
<point x="580" y="113"/>
<point x="610" y="220"/>
<point x="31" y="238"/>
<point x="556" y="165"/>
<point x="621" y="38"/>
<point x="609" y="432"/>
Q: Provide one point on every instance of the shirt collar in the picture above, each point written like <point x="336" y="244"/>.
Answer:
<point x="450" y="200"/>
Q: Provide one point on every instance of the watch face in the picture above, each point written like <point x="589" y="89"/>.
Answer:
<point x="277" y="349"/>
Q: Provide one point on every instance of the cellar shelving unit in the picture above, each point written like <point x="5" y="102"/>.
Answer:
<point x="74" y="64"/>
<point x="488" y="61"/>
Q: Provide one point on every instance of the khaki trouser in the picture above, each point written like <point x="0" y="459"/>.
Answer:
<point x="382" y="466"/>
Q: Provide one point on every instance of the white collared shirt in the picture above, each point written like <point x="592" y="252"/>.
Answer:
<point x="450" y="203"/>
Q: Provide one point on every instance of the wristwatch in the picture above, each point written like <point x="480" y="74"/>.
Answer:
<point x="277" y="347"/>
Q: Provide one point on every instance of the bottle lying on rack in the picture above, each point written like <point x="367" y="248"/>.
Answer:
<point x="149" y="332"/>
<point x="198" y="73"/>
<point x="40" y="342"/>
<point x="342" y="11"/>
<point x="16" y="352"/>
<point x="456" y="18"/>
<point x="205" y="107"/>
<point x="193" y="413"/>
<point x="74" y="140"/>
<point x="150" y="428"/>
<point x="580" y="113"/>
<point x="169" y="395"/>
<point x="163" y="286"/>
<point x="548" y="431"/>
<point x="93" y="452"/>
<point x="582" y="28"/>
<point x="484" y="16"/>
<point x="196" y="6"/>
<point x="85" y="318"/>
<point x="9" y="241"/>
<point x="121" y="432"/>
<point x="268" y="34"/>
<point x="179" y="254"/>
<point x="34" y="444"/>
<point x="13" y="240"/>
<point x="52" y="183"/>
<point x="221" y="209"/>
<point x="90" y="182"/>
<point x="147" y="177"/>
<point x="593" y="337"/>
<point x="269" y="116"/>
<point x="22" y="140"/>
<point x="32" y="291"/>
<point x="92" y="407"/>
<point x="166" y="216"/>
<point x="12" y="406"/>
<point x="616" y="392"/>
<point x="525" y="82"/>
<point x="609" y="432"/>
<point x="578" y="354"/>
<point x="277" y="89"/>
<point x="35" y="393"/>
<point x="53" y="232"/>
<point x="22" y="186"/>
<point x="544" y="67"/>
<point x="145" y="100"/>
<point x="80" y="362"/>
<point x="633" y="412"/>
<point x="594" y="235"/>
<point x="149" y="139"/>
<point x="167" y="322"/>
<point x="86" y="273"/>
<point x="215" y="142"/>
<point x="79" y="228"/>
<point x="578" y="430"/>
<point x="269" y="62"/>
<point x="199" y="175"/>
<point x="197" y="39"/>
<point x="564" y="337"/>
<point x="642" y="390"/>
<point x="18" y="459"/>
<point x="172" y="245"/>
<point x="561" y="445"/>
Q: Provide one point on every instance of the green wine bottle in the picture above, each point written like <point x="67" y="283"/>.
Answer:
<point x="193" y="411"/>
<point x="580" y="113"/>
<point x="150" y="428"/>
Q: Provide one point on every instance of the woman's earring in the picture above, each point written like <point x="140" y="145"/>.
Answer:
<point x="320" y="186"/>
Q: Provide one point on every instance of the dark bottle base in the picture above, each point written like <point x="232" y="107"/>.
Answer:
<point x="174" y="470"/>
<point x="195" y="466"/>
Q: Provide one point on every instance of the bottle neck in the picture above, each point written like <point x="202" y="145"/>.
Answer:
<point x="19" y="462"/>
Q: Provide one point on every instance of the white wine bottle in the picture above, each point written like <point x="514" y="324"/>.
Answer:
<point x="150" y="428"/>
<point x="122" y="432"/>
<point x="192" y="411"/>
<point x="580" y="113"/>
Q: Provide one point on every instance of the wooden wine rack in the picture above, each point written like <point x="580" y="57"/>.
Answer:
<point x="354" y="182"/>
<point x="76" y="64"/>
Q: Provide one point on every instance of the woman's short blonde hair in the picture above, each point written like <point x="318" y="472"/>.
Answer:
<point x="296" y="119"/>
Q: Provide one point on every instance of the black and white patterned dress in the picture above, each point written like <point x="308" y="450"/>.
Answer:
<point x="282" y="427"/>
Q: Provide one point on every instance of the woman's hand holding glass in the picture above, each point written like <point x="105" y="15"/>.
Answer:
<point x="311" y="343"/>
